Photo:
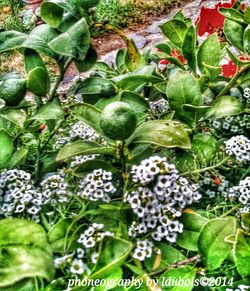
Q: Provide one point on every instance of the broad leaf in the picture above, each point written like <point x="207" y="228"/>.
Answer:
<point x="175" y="30"/>
<point x="6" y="148"/>
<point x="15" y="116"/>
<point x="133" y="82"/>
<point x="80" y="148"/>
<point x="234" y="33"/>
<point x="111" y="281"/>
<point x="232" y="14"/>
<point x="211" y="242"/>
<point x="112" y="253"/>
<point x="88" y="62"/>
<point x="74" y="42"/>
<point x="242" y="252"/>
<point x="193" y="223"/>
<point x="186" y="273"/>
<point x="164" y="133"/>
<point x="24" y="252"/>
<point x="225" y="106"/>
<point x="49" y="111"/>
<point x="189" y="48"/>
<point x="38" y="81"/>
<point x="209" y="53"/>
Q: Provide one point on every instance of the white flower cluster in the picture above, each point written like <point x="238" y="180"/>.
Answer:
<point x="143" y="250"/>
<point x="93" y="235"/>
<point x="240" y="147"/>
<point x="97" y="185"/>
<point x="82" y="131"/>
<point x="159" y="107"/>
<point x="18" y="195"/>
<point x="240" y="288"/>
<point x="55" y="190"/>
<point x="158" y="197"/>
<point x="241" y="192"/>
<point x="78" y="160"/>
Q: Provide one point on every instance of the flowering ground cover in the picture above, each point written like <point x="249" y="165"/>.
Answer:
<point x="138" y="178"/>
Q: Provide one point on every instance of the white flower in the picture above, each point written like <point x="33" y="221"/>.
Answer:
<point x="77" y="267"/>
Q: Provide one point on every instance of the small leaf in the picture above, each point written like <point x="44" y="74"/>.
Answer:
<point x="169" y="134"/>
<point x="225" y="106"/>
<point x="246" y="40"/>
<point x="245" y="221"/>
<point x="211" y="242"/>
<point x="18" y="158"/>
<point x="187" y="274"/>
<point x="204" y="146"/>
<point x="113" y="252"/>
<point x="74" y="42"/>
<point x="175" y="30"/>
<point x="38" y="81"/>
<point x="242" y="252"/>
<point x="80" y="148"/>
<point x="193" y="223"/>
<point x="189" y="48"/>
<point x="232" y="14"/>
<point x="247" y="14"/>
<point x="6" y="148"/>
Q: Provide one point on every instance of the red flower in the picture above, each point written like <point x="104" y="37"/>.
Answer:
<point x="174" y="54"/>
<point x="217" y="181"/>
<point x="229" y="69"/>
<point x="210" y="19"/>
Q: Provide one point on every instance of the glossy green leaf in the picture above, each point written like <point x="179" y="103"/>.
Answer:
<point x="133" y="82"/>
<point x="232" y="14"/>
<point x="120" y="60"/>
<point x="164" y="133"/>
<point x="6" y="148"/>
<point x="246" y="40"/>
<point x="136" y="101"/>
<point x="88" y="114"/>
<point x="183" y="88"/>
<point x="193" y="223"/>
<point x="45" y="32"/>
<point x="112" y="253"/>
<point x="38" y="81"/>
<point x="24" y="252"/>
<point x="32" y="60"/>
<point x="189" y="48"/>
<point x="204" y="146"/>
<point x="74" y="42"/>
<point x="169" y="255"/>
<point x="209" y="52"/>
<point x="175" y="30"/>
<point x="187" y="273"/>
<point x="234" y="33"/>
<point x="88" y="62"/>
<point x="80" y="148"/>
<point x="111" y="281"/>
<point x="15" y="116"/>
<point x="49" y="111"/>
<point x="247" y="15"/>
<point x="18" y="158"/>
<point x="11" y="40"/>
<point x="211" y="242"/>
<point x="225" y="106"/>
<point x="242" y="252"/>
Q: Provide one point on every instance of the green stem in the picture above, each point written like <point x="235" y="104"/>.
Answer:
<point x="60" y="78"/>
<point x="233" y="81"/>
<point x="231" y="210"/>
<point x="37" y="170"/>
<point x="207" y="168"/>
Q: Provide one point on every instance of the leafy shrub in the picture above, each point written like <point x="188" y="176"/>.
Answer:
<point x="168" y="199"/>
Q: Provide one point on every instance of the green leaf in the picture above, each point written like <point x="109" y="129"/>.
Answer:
<point x="88" y="62"/>
<point x="88" y="114"/>
<point x="120" y="60"/>
<point x="6" y="148"/>
<point x="11" y="40"/>
<point x="18" y="158"/>
<point x="38" y="81"/>
<point x="133" y="82"/>
<point x="232" y="14"/>
<point x="204" y="146"/>
<point x="86" y="4"/>
<point x="136" y="101"/>
<point x="52" y="14"/>
<point x="225" y="106"/>
<point x="32" y="60"/>
<point x="112" y="253"/>
<point x="175" y="30"/>
<point x="164" y="133"/>
<point x="111" y="281"/>
<point x="186" y="273"/>
<point x="89" y="166"/>
<point x="242" y="252"/>
<point x="183" y="88"/>
<point x="94" y="88"/>
<point x="45" y="32"/>
<point x="74" y="42"/>
<point x="246" y="40"/>
<point x="245" y="221"/>
<point x="247" y="14"/>
<point x="189" y="48"/>
<point x="24" y="252"/>
<point x="193" y="223"/>
<point x="81" y="148"/>
<point x="211" y="242"/>
<point x="209" y="53"/>
<point x="169" y="255"/>
<point x="51" y="110"/>
<point x="234" y="33"/>
<point x="15" y="116"/>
